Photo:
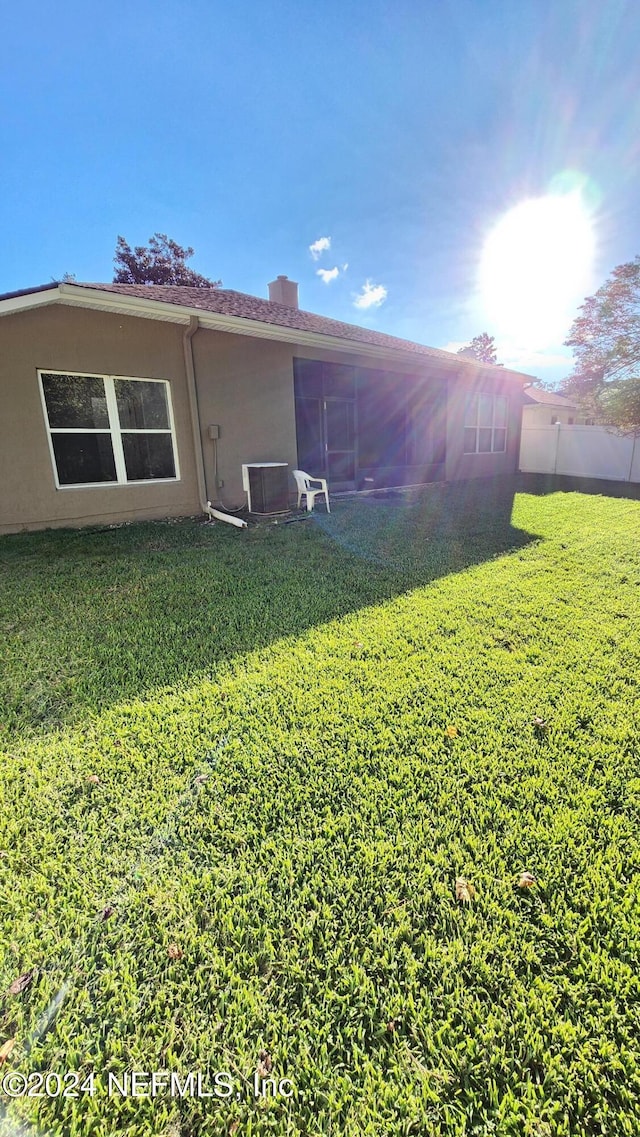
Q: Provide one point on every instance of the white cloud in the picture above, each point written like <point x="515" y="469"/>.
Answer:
<point x="371" y="296"/>
<point x="319" y="247"/>
<point x="328" y="274"/>
<point x="345" y="267"/>
<point x="454" y="346"/>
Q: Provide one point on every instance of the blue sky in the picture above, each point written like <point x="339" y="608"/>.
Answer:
<point x="401" y="132"/>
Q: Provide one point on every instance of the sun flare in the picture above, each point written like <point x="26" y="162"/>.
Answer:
<point x="536" y="268"/>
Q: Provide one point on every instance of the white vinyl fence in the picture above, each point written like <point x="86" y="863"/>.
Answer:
<point x="580" y="451"/>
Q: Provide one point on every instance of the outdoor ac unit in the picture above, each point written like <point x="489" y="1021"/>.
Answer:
<point x="267" y="486"/>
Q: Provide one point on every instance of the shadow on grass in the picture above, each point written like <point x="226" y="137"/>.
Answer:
<point x="540" y="484"/>
<point x="92" y="617"/>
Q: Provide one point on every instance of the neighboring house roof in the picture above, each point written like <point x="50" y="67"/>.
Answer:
<point x="256" y="311"/>
<point x="550" y="398"/>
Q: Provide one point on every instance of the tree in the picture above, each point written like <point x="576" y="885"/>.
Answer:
<point x="161" y="262"/>
<point x="483" y="348"/>
<point x="605" y="337"/>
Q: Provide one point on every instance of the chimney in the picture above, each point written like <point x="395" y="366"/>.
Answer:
<point x="284" y="291"/>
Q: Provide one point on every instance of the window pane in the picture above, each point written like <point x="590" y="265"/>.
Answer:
<point x="307" y="376"/>
<point x="340" y="425"/>
<point x="501" y="411"/>
<point x="309" y="434"/>
<point x="499" y="439"/>
<point x="484" y="440"/>
<point x="142" y="406"/>
<point x="75" y="401"/>
<point x="420" y="433"/>
<point x="339" y="380"/>
<point x="83" y="458"/>
<point x="341" y="467"/>
<point x="471" y="416"/>
<point x="469" y="440"/>
<point x="485" y="410"/>
<point x="148" y="456"/>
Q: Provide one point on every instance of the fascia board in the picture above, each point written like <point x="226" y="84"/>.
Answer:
<point x="240" y="325"/>
<point x="30" y="300"/>
<point x="121" y="304"/>
<point x="124" y="305"/>
<point x="236" y="325"/>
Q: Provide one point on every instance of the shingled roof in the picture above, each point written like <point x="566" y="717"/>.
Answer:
<point x="227" y="302"/>
<point x="242" y="306"/>
<point x="548" y="398"/>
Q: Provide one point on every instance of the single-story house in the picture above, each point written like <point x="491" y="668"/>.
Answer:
<point x="546" y="408"/>
<point x="124" y="402"/>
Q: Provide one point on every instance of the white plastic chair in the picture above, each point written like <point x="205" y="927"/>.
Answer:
<point x="304" y="483"/>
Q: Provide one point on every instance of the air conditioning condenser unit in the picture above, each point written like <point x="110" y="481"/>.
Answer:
<point x="267" y="486"/>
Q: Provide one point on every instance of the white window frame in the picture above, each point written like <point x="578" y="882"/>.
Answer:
<point x="477" y="395"/>
<point x="114" y="430"/>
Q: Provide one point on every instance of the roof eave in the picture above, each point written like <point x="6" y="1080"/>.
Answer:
<point x="118" y="302"/>
<point x="26" y="298"/>
<point x="561" y="402"/>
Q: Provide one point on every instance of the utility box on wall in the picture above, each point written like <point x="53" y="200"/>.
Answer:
<point x="267" y="486"/>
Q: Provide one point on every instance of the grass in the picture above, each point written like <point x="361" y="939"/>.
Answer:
<point x="271" y="754"/>
<point x="119" y="613"/>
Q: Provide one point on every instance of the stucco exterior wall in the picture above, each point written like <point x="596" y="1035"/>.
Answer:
<point x="244" y="387"/>
<point x="460" y="466"/>
<point x="62" y="338"/>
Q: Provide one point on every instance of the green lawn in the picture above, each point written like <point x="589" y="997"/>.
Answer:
<point x="241" y="773"/>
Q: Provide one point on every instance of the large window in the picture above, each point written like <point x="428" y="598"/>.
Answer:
<point x="485" y="424"/>
<point x="109" y="430"/>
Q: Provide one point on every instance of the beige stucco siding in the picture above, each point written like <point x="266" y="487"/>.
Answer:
<point x="462" y="466"/>
<point x="245" y="387"/>
<point x="61" y="338"/>
<point x="458" y="387"/>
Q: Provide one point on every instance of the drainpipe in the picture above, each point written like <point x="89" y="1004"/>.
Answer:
<point x="205" y="504"/>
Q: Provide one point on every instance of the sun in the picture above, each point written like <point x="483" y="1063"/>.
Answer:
<point x="536" y="268"/>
